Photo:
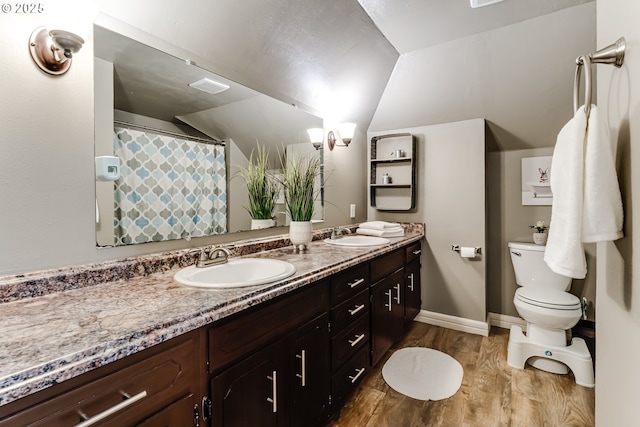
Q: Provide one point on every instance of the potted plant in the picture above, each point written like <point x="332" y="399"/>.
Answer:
<point x="540" y="234"/>
<point x="263" y="188"/>
<point x="298" y="181"/>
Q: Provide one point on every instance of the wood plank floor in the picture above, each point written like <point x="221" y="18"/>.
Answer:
<point x="492" y="393"/>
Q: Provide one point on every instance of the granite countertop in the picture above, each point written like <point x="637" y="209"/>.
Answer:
<point x="54" y="336"/>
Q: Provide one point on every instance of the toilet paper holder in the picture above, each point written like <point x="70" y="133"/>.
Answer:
<point x="456" y="248"/>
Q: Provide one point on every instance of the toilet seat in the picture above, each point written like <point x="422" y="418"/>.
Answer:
<point x="548" y="298"/>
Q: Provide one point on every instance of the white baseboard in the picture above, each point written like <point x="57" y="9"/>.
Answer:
<point x="453" y="322"/>
<point x="504" y="321"/>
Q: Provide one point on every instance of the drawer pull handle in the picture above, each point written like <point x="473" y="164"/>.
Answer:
<point x="417" y="252"/>
<point x="397" y="288"/>
<point x="388" y="294"/>
<point x="356" y="283"/>
<point x="411" y="284"/>
<point x="129" y="400"/>
<point x="303" y="369"/>
<point x="356" y="376"/>
<point x="357" y="309"/>
<point x="274" y="388"/>
<point x="357" y="340"/>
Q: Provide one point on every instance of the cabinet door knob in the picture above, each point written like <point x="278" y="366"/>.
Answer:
<point x="129" y="400"/>
<point x="303" y="368"/>
<point x="357" y="340"/>
<point x="411" y="284"/>
<point x="356" y="309"/>
<point x="417" y="252"/>
<point x="358" y="374"/>
<point x="397" y="288"/>
<point x="356" y="283"/>
<point x="274" y="388"/>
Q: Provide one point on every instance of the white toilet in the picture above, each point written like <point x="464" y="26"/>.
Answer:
<point x="542" y="301"/>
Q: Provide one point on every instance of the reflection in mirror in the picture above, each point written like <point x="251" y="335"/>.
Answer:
<point x="179" y="146"/>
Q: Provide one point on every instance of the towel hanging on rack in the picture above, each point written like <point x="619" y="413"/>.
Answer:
<point x="587" y="206"/>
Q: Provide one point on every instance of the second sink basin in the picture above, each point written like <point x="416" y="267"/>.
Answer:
<point x="236" y="273"/>
<point x="358" y="240"/>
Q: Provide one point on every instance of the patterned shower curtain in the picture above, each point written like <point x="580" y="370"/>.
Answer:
<point x="169" y="188"/>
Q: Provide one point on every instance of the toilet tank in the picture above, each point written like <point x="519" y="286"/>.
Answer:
<point x="531" y="270"/>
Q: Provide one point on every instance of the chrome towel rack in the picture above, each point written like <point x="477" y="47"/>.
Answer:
<point x="612" y="54"/>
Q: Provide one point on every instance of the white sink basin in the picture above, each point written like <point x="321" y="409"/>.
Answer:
<point x="236" y="273"/>
<point x="358" y="240"/>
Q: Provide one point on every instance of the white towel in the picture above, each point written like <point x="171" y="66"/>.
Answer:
<point x="581" y="211"/>
<point x="389" y="232"/>
<point x="379" y="225"/>
<point x="602" y="216"/>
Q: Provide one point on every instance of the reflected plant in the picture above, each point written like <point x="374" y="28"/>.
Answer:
<point x="262" y="185"/>
<point x="298" y="181"/>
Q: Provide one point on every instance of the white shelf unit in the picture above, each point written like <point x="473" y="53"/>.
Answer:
<point x="399" y="194"/>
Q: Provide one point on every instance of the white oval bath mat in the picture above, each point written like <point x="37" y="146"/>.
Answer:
<point x="423" y="373"/>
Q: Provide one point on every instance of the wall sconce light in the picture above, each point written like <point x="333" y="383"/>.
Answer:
<point x="316" y="135"/>
<point x="346" y="131"/>
<point x="46" y="46"/>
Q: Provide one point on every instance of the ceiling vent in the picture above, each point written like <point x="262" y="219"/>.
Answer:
<point x="480" y="3"/>
<point x="209" y="86"/>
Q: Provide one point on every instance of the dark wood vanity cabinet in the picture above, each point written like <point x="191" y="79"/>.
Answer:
<point x="159" y="386"/>
<point x="289" y="361"/>
<point x="412" y="272"/>
<point x="271" y="365"/>
<point x="395" y="297"/>
<point x="387" y="313"/>
<point x="350" y="330"/>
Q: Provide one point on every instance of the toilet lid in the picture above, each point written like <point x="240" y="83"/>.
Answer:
<point x="548" y="298"/>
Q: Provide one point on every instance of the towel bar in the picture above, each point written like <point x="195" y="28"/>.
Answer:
<point x="612" y="54"/>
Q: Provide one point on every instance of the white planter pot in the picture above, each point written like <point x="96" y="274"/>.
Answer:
<point x="258" y="224"/>
<point x="540" y="238"/>
<point x="300" y="233"/>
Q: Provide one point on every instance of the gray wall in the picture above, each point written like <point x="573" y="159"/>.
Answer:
<point x="324" y="56"/>
<point x="450" y="200"/>
<point x="618" y="281"/>
<point x="520" y="79"/>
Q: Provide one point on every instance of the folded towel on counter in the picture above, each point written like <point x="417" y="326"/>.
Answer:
<point x="586" y="197"/>
<point x="379" y="225"/>
<point x="389" y="232"/>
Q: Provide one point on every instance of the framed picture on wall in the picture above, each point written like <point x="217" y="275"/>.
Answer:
<point x="536" y="174"/>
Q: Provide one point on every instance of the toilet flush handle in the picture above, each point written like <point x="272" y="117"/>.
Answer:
<point x="516" y="253"/>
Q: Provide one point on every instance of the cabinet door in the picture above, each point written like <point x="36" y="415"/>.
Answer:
<point x="249" y="393"/>
<point x="412" y="299"/>
<point x="310" y="376"/>
<point x="387" y="319"/>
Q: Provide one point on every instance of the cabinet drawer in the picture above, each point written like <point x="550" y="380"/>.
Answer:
<point x="347" y="378"/>
<point x="351" y="310"/>
<point x="151" y="384"/>
<point x="347" y="343"/>
<point x="243" y="334"/>
<point x="348" y="283"/>
<point x="386" y="264"/>
<point x="412" y="251"/>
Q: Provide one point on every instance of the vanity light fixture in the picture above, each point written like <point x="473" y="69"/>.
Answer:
<point x="316" y="136"/>
<point x="345" y="131"/>
<point x="52" y="50"/>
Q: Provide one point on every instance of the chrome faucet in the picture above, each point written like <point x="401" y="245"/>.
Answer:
<point x="338" y="232"/>
<point x="212" y="256"/>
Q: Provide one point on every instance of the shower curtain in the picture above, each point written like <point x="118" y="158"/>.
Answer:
<point x="169" y="188"/>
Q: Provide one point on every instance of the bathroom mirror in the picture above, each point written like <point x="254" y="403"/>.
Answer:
<point x="146" y="105"/>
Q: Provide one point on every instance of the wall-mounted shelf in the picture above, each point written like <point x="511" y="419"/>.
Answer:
<point x="393" y="155"/>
